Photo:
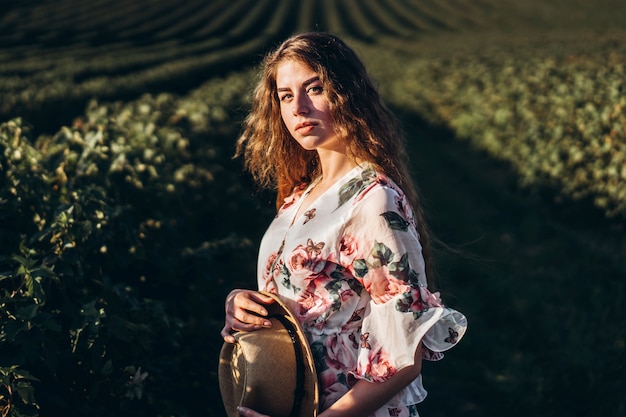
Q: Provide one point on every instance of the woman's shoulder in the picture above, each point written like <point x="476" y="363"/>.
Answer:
<point x="379" y="196"/>
<point x="373" y="184"/>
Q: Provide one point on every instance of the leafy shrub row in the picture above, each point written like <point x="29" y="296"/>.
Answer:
<point x="165" y="49"/>
<point x="117" y="251"/>
<point x="559" y="122"/>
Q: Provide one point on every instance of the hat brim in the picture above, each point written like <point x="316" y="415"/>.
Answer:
<point x="270" y="370"/>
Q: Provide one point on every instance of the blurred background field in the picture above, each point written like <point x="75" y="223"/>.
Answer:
<point x="124" y="221"/>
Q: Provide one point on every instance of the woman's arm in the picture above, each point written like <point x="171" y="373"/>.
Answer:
<point x="364" y="398"/>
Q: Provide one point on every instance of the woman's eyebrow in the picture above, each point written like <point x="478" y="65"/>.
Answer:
<point x="311" y="80"/>
<point x="307" y="82"/>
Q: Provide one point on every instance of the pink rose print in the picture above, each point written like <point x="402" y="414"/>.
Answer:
<point x="317" y="283"/>
<point x="379" y="366"/>
<point x="417" y="305"/>
<point x="298" y="261"/>
<point x="421" y="299"/>
<point x="348" y="248"/>
<point x="277" y="271"/>
<point x="269" y="263"/>
<point x="328" y="377"/>
<point x="340" y="352"/>
<point x="268" y="279"/>
<point x="331" y="394"/>
<point x="306" y="260"/>
<point x="314" y="302"/>
<point x="330" y="267"/>
<point x="346" y="295"/>
<point x="431" y="299"/>
<point x="383" y="286"/>
<point x="396" y="287"/>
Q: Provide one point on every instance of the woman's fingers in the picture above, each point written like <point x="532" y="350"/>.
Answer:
<point x="245" y="303"/>
<point x="245" y="311"/>
<point x="225" y="333"/>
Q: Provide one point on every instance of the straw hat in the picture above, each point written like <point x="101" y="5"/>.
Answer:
<point x="270" y="370"/>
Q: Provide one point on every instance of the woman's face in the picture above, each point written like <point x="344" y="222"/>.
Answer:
<point x="304" y="106"/>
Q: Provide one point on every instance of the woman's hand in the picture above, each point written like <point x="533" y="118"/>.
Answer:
<point x="248" y="412"/>
<point x="245" y="312"/>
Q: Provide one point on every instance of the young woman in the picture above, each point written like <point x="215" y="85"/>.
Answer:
<point x="348" y="250"/>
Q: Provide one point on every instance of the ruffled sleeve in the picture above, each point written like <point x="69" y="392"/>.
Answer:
<point x="385" y="256"/>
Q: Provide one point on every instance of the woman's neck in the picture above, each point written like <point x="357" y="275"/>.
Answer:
<point x="334" y="166"/>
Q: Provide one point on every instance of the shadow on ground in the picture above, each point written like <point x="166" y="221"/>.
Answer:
<point x="541" y="283"/>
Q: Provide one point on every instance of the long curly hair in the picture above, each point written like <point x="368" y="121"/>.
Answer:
<point x="370" y="130"/>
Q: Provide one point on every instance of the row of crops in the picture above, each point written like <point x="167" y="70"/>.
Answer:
<point x="66" y="52"/>
<point x="556" y="113"/>
<point x="559" y="121"/>
<point x="119" y="235"/>
<point x="58" y="55"/>
<point x="149" y="47"/>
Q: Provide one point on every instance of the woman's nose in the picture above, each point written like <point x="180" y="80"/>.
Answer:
<point x="300" y="105"/>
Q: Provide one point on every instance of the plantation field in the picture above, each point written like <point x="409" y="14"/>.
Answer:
<point x="65" y="53"/>
<point x="124" y="221"/>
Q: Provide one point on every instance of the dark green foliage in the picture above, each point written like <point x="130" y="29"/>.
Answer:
<point x="118" y="248"/>
<point x="559" y="121"/>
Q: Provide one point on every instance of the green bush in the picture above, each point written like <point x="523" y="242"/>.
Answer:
<point x="117" y="251"/>
<point x="559" y="121"/>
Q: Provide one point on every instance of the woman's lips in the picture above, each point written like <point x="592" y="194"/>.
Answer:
<point x="306" y="127"/>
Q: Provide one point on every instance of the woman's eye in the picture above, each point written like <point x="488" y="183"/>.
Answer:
<point x="315" y="90"/>
<point x="284" y="97"/>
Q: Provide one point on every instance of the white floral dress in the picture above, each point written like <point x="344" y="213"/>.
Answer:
<point x="352" y="270"/>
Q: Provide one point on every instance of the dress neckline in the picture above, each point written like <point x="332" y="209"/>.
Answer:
<point x="312" y="185"/>
<point x="300" y="201"/>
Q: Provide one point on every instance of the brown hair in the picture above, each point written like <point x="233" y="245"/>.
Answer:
<point x="368" y="127"/>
